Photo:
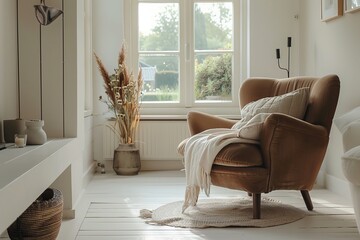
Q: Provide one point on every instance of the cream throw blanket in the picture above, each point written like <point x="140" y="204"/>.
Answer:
<point x="201" y="149"/>
<point x="199" y="154"/>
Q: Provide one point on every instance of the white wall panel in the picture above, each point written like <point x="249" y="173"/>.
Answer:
<point x="52" y="74"/>
<point x="29" y="60"/>
<point x="107" y="38"/>
<point x="71" y="118"/>
<point x="41" y="67"/>
<point x="8" y="62"/>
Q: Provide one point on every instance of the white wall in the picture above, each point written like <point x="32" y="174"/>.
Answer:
<point x="76" y="125"/>
<point x="108" y="36"/>
<point x="40" y="68"/>
<point x="332" y="47"/>
<point x="270" y="24"/>
<point x="8" y="62"/>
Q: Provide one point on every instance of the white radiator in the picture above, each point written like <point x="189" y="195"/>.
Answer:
<point x="157" y="140"/>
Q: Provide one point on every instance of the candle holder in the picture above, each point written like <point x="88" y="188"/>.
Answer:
<point x="278" y="57"/>
<point x="20" y="140"/>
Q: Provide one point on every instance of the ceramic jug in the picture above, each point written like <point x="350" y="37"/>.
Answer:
<point x="35" y="134"/>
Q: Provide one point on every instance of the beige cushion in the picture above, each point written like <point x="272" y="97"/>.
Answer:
<point x="254" y="114"/>
<point x="251" y="130"/>
<point x="293" y="103"/>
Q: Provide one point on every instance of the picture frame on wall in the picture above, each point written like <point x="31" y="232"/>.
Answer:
<point x="352" y="5"/>
<point x="331" y="9"/>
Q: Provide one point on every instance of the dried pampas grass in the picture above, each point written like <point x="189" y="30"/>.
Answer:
<point x="124" y="93"/>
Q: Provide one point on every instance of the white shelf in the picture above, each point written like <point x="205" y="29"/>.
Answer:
<point x="26" y="172"/>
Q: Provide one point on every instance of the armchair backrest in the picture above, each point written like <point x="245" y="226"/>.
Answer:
<point x="324" y="94"/>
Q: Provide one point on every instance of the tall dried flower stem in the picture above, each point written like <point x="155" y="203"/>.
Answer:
<point x="124" y="93"/>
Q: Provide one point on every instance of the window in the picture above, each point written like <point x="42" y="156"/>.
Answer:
<point x="159" y="52"/>
<point x="188" y="50"/>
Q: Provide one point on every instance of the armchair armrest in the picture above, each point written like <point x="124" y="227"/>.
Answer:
<point x="199" y="122"/>
<point x="293" y="150"/>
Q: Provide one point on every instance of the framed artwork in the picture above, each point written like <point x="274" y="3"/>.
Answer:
<point x="352" y="5"/>
<point x="331" y="9"/>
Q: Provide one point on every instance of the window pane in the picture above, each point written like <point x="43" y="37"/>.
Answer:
<point x="161" y="77"/>
<point x="213" y="77"/>
<point x="213" y="26"/>
<point x="158" y="26"/>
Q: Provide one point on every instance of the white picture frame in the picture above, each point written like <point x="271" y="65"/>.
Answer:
<point x="331" y="9"/>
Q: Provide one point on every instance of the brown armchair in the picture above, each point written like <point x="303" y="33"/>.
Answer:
<point x="291" y="150"/>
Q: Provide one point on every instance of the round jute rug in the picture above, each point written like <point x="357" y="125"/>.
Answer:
<point x="223" y="213"/>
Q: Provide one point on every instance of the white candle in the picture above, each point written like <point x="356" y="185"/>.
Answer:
<point x="20" y="141"/>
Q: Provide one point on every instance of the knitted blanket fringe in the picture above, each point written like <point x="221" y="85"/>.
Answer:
<point x="192" y="191"/>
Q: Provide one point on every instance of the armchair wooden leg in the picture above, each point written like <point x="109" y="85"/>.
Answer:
<point x="256" y="205"/>
<point x="306" y="196"/>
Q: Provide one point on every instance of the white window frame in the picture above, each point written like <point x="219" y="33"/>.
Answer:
<point x="187" y="101"/>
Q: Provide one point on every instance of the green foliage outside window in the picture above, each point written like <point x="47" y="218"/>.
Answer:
<point x="166" y="87"/>
<point x="213" y="73"/>
<point x="167" y="78"/>
<point x="213" y="77"/>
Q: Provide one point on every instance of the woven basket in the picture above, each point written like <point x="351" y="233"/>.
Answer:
<point x="42" y="220"/>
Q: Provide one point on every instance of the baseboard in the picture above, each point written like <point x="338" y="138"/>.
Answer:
<point x="333" y="184"/>
<point x="161" y="165"/>
<point x="88" y="175"/>
<point x="320" y="180"/>
<point x="68" y="213"/>
<point x="338" y="186"/>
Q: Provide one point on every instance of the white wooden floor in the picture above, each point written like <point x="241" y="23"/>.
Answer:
<point x="332" y="218"/>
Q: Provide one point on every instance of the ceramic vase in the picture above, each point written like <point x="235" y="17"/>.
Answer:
<point x="126" y="160"/>
<point x="35" y="133"/>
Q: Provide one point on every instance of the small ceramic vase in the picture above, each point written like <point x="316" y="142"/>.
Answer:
<point x="35" y="134"/>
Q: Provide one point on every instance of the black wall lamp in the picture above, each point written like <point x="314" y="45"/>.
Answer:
<point x="278" y="57"/>
<point x="45" y="14"/>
